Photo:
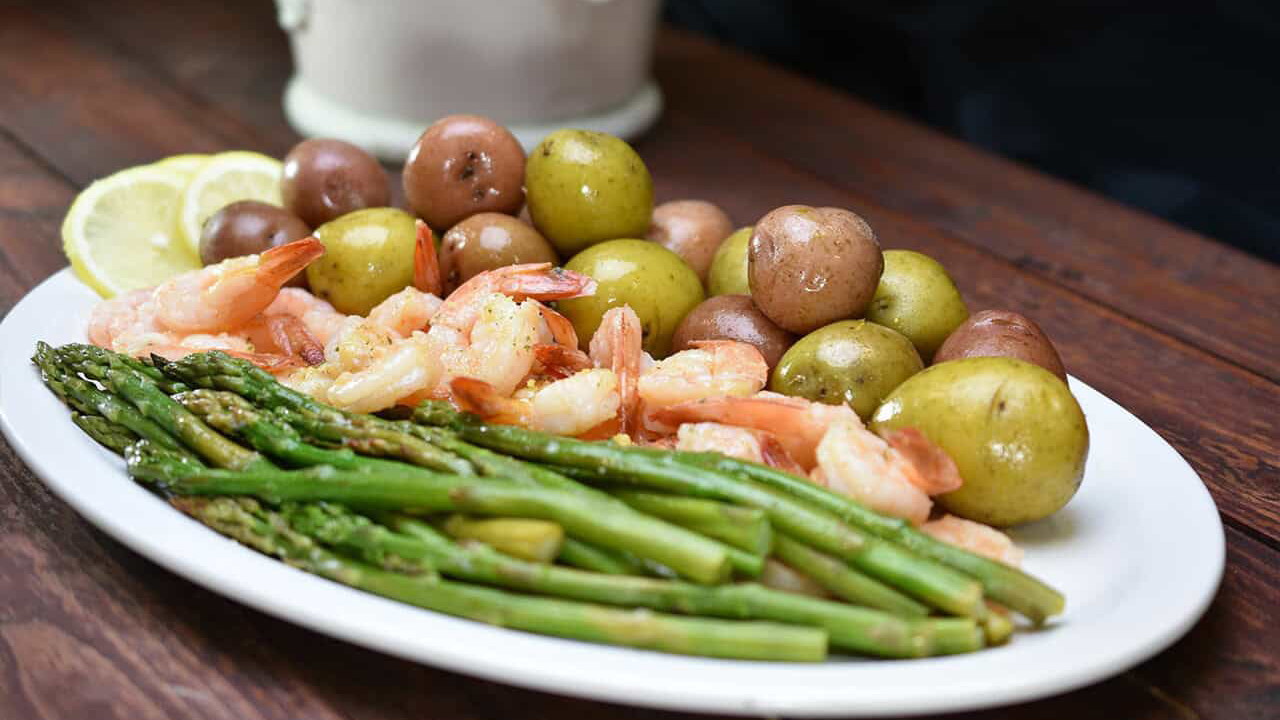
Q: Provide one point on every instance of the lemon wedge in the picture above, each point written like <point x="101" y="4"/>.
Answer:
<point x="226" y="178"/>
<point x="120" y="233"/>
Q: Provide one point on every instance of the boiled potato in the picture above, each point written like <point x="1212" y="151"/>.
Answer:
<point x="809" y="267"/>
<point x="1002" y="333"/>
<point x="917" y="298"/>
<point x="692" y="229"/>
<point x="368" y="256"/>
<point x="733" y="317"/>
<point x="654" y="281"/>
<point x="586" y="187"/>
<point x="728" y="272"/>
<point x="1016" y="434"/>
<point x="853" y="362"/>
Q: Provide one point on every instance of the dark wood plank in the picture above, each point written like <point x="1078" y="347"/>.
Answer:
<point x="1206" y="293"/>
<point x="32" y="203"/>
<point x="1219" y="417"/>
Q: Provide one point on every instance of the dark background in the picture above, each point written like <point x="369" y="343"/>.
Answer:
<point x="1170" y="107"/>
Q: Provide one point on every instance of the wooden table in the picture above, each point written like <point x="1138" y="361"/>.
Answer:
<point x="1183" y="331"/>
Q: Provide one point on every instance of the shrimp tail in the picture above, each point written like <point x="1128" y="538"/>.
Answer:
<point x="935" y="471"/>
<point x="561" y="327"/>
<point x="480" y="398"/>
<point x="542" y="282"/>
<point x="559" y="361"/>
<point x="426" y="263"/>
<point x="271" y="362"/>
<point x="620" y="346"/>
<point x="775" y="454"/>
<point x="278" y="265"/>
<point x="285" y="335"/>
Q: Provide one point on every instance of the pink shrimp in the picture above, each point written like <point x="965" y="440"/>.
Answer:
<point x="710" y="369"/>
<point x="617" y="345"/>
<point x="856" y="462"/>
<point x="572" y="406"/>
<point x="744" y="443"/>
<point x="229" y="294"/>
<point x="319" y="317"/>
<point x="539" y="281"/>
<point x="558" y="361"/>
<point x="283" y="335"/>
<point x="976" y="538"/>
<point x="797" y="424"/>
<point x="936" y="472"/>
<point x="426" y="263"/>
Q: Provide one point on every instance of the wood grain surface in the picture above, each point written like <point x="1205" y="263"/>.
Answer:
<point x="1181" y="330"/>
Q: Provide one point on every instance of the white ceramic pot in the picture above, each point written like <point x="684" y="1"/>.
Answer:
<point x="377" y="72"/>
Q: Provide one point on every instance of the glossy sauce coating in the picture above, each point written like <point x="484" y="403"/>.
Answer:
<point x="463" y="165"/>
<point x="1002" y="333"/>
<point x="325" y="179"/>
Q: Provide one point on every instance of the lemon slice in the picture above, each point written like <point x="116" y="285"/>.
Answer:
<point x="119" y="234"/>
<point x="188" y="164"/>
<point x="224" y="179"/>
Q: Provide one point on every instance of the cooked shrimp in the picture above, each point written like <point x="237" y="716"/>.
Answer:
<point x="572" y="406"/>
<point x="499" y="347"/>
<point x="559" y="327"/>
<point x="711" y="369"/>
<point x="744" y="443"/>
<point x="856" y="462"/>
<point x="113" y="317"/>
<point x="558" y="361"/>
<point x="617" y="345"/>
<point x="321" y="319"/>
<point x="399" y="370"/>
<point x="797" y="424"/>
<point x="936" y="472"/>
<point x="406" y="311"/>
<point x="538" y="281"/>
<point x="976" y="538"/>
<point x="230" y="293"/>
<point x="283" y="335"/>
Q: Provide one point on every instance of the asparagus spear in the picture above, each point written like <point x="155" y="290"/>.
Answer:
<point x="112" y="436"/>
<point x="586" y="556"/>
<point x="270" y="534"/>
<point x="91" y="355"/>
<point x="366" y="434"/>
<point x="1002" y="583"/>
<point x="843" y="581"/>
<point x="923" y="579"/>
<point x="83" y="396"/>
<point x="136" y="387"/>
<point x="743" y="527"/>
<point x="533" y="540"/>
<point x="692" y="555"/>
<point x="851" y="628"/>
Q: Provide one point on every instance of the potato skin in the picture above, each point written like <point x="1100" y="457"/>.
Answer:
<point x="486" y="241"/>
<point x="587" y="187"/>
<point x="325" y="179"/>
<point x="692" y="229"/>
<point x="368" y="257"/>
<point x="249" y="227"/>
<point x="917" y="298"/>
<point x="463" y="165"/>
<point x="733" y="317"/>
<point x="728" y="272"/>
<point x="1002" y="333"/>
<point x="855" y="362"/>
<point x="1014" y="430"/>
<point x="809" y="267"/>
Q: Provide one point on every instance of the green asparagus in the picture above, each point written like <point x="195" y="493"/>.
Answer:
<point x="112" y="436"/>
<point x="850" y="628"/>
<point x="1002" y="583"/>
<point x="843" y="581"/>
<point x="92" y="356"/>
<point x="523" y="538"/>
<point x="690" y="554"/>
<point x="270" y="534"/>
<point x="743" y="527"/>
<point x="923" y="579"/>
